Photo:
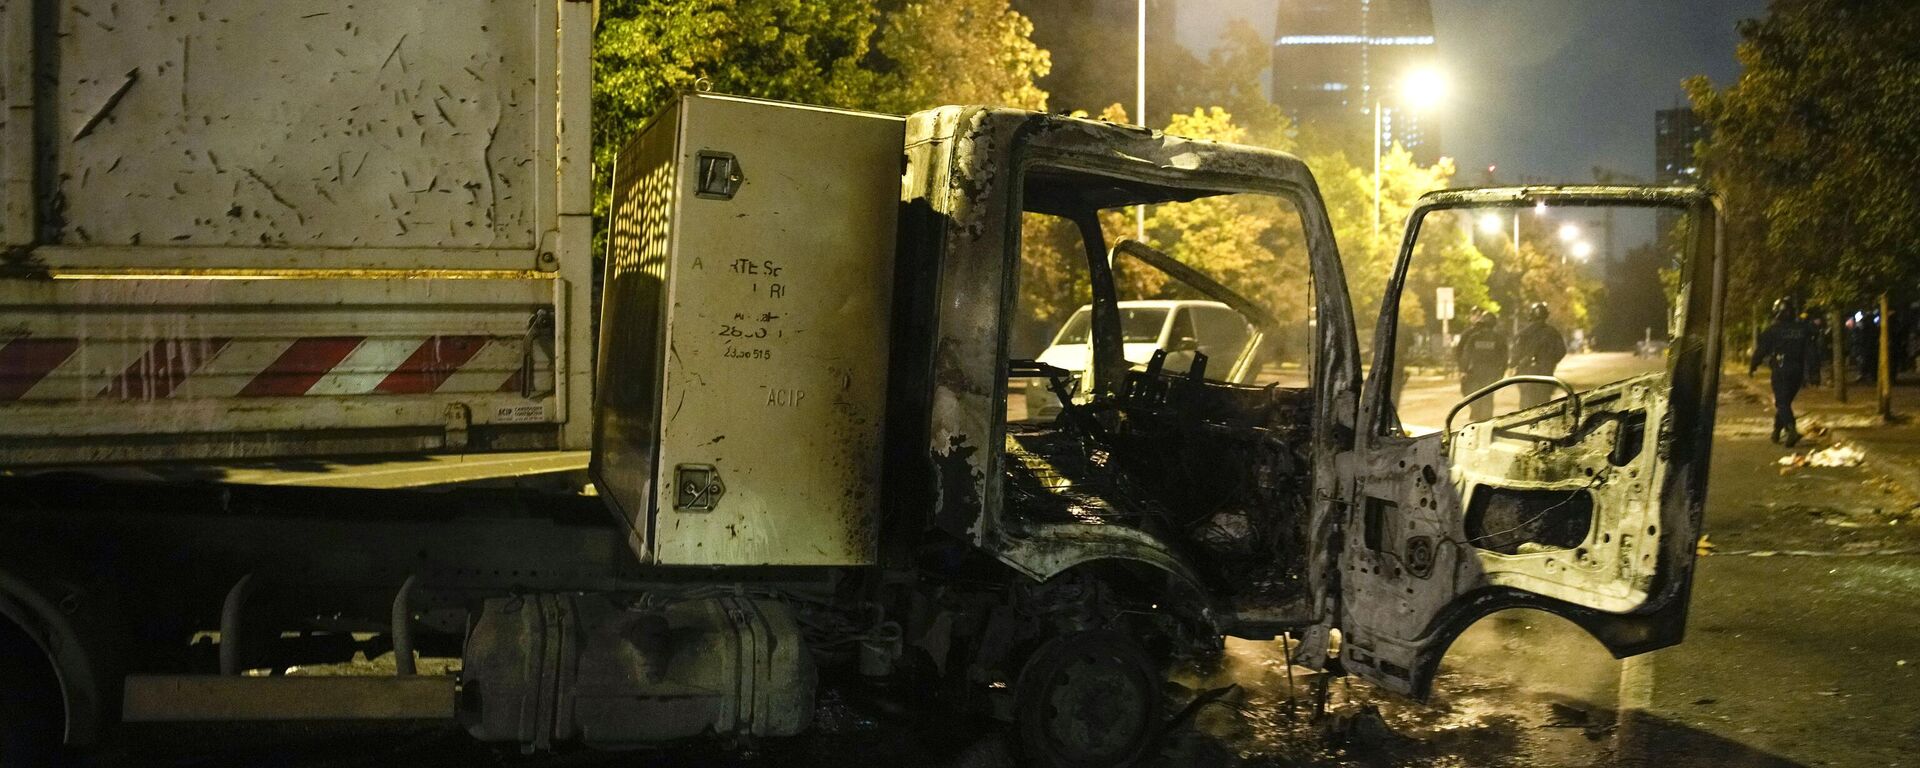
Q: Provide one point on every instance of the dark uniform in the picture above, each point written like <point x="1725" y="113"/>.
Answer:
<point x="1482" y="357"/>
<point x="1537" y="351"/>
<point x="1784" y="346"/>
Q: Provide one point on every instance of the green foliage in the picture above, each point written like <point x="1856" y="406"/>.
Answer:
<point x="1256" y="245"/>
<point x="857" y="54"/>
<point x="1816" y="148"/>
<point x="1231" y="80"/>
<point x="1369" y="258"/>
<point x="958" y="52"/>
<point x="1253" y="244"/>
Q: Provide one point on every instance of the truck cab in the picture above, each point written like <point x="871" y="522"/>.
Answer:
<point x="1277" y="490"/>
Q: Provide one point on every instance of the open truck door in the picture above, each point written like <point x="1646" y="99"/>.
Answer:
<point x="1495" y="466"/>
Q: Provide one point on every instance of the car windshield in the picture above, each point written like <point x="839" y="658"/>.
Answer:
<point x="1138" y="325"/>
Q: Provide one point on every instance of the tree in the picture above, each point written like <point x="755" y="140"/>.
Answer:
<point x="958" y="52"/>
<point x="1252" y="243"/>
<point x="1816" y="147"/>
<point x="1369" y="259"/>
<point x="1231" y="79"/>
<point x="896" y="56"/>
<point x="648" y="50"/>
<point x="1255" y="244"/>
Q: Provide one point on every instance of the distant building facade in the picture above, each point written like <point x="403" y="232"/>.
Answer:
<point x="1334" y="59"/>
<point x="1675" y="131"/>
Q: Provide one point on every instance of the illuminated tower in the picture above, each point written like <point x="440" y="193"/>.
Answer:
<point x="1334" y="59"/>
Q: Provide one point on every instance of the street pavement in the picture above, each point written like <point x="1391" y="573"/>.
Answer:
<point x="1804" y="644"/>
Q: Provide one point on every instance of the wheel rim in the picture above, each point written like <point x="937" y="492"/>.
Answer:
<point x="1090" y="699"/>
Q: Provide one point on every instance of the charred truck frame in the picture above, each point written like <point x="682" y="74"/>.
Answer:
<point x="803" y="463"/>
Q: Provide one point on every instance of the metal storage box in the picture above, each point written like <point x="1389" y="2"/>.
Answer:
<point x="744" y="333"/>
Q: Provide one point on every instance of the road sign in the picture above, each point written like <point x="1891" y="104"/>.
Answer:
<point x="1443" y="303"/>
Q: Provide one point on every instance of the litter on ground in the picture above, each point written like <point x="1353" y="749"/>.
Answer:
<point x="1837" y="455"/>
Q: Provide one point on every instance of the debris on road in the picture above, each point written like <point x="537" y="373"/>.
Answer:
<point x="1840" y="454"/>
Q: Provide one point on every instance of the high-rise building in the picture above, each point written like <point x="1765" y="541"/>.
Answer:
<point x="1334" y="61"/>
<point x="1675" y="131"/>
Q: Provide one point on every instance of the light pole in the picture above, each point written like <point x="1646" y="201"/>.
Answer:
<point x="1140" y="103"/>
<point x="1420" y="89"/>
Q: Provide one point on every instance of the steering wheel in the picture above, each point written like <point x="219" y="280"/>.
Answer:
<point x="1573" y="401"/>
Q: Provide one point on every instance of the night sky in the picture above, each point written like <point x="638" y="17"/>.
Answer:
<point x="1548" y="89"/>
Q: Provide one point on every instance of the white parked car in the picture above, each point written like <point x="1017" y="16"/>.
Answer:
<point x="1180" y="327"/>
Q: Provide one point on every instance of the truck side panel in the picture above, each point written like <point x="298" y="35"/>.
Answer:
<point x="747" y="315"/>
<point x="238" y="229"/>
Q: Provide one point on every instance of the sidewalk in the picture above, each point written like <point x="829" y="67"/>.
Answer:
<point x="1891" y="449"/>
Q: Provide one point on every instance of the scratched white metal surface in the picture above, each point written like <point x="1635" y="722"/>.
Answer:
<point x="227" y="180"/>
<point x="776" y="335"/>
<point x="303" y="123"/>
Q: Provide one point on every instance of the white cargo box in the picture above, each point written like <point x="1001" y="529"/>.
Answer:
<point x="233" y="229"/>
<point x="744" y="333"/>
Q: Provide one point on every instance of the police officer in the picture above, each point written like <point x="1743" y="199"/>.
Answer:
<point x="1784" y="346"/>
<point x="1537" y="351"/>
<point x="1482" y="358"/>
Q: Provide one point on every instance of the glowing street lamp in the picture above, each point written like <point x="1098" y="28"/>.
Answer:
<point x="1491" y="224"/>
<point x="1423" y="88"/>
<point x="1582" y="250"/>
<point x="1420" y="89"/>
<point x="1569" y="232"/>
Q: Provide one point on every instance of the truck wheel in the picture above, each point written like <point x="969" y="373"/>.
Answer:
<point x="1087" y="699"/>
<point x="32" y="717"/>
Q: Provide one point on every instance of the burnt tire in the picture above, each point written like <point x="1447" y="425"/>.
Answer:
<point x="32" y="713"/>
<point x="1088" y="700"/>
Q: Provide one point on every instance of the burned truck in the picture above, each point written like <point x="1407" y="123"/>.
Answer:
<point x="808" y="458"/>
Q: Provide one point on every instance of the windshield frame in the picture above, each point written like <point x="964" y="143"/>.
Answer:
<point x="1697" y="203"/>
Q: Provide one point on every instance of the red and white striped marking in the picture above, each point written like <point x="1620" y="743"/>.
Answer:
<point x="53" y="369"/>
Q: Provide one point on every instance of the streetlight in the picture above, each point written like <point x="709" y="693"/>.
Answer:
<point x="1139" y="102"/>
<point x="1569" y="232"/>
<point x="1419" y="89"/>
<point x="1582" y="251"/>
<point x="1424" y="88"/>
<point x="1491" y="224"/>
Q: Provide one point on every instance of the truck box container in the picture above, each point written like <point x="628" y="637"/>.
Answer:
<point x="765" y="270"/>
<point x="242" y="230"/>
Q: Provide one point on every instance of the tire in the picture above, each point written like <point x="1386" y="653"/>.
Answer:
<point x="32" y="715"/>
<point x="1088" y="700"/>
